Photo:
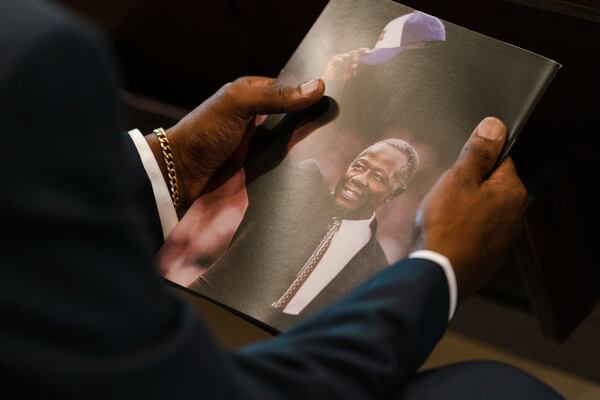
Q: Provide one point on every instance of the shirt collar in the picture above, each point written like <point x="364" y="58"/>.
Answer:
<point x="358" y="222"/>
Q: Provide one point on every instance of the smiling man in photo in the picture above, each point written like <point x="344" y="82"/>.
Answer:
<point x="377" y="175"/>
<point x="327" y="238"/>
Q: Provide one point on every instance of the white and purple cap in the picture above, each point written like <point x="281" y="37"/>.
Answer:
<point x="412" y="30"/>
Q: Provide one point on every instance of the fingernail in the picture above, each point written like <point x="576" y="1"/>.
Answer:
<point x="309" y="87"/>
<point x="489" y="129"/>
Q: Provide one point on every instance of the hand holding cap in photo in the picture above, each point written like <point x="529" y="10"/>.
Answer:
<point x="413" y="30"/>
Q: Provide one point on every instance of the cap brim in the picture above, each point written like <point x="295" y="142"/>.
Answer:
<point x="381" y="55"/>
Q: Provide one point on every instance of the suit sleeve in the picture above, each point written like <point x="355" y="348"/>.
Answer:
<point x="84" y="313"/>
<point x="362" y="346"/>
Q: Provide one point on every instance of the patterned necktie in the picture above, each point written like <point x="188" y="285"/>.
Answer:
<point x="309" y="267"/>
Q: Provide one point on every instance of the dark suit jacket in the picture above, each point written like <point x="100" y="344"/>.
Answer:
<point x="84" y="314"/>
<point x="289" y="210"/>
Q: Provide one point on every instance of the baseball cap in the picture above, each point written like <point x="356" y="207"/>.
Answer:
<point x="410" y="30"/>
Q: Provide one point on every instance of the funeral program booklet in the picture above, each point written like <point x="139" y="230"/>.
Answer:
<point x="319" y="201"/>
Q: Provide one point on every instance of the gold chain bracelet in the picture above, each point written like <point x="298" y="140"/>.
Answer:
<point x="170" y="163"/>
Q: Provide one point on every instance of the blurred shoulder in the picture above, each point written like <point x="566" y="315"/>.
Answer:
<point x="28" y="26"/>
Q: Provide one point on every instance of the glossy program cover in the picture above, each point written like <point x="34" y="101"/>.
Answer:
<point x="319" y="201"/>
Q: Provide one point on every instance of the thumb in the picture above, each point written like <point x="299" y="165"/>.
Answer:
<point x="246" y="99"/>
<point x="481" y="151"/>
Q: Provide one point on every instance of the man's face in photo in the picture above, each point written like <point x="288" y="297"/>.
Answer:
<point x="369" y="181"/>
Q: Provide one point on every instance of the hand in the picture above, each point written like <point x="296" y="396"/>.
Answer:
<point x="205" y="138"/>
<point x="343" y="66"/>
<point x="473" y="213"/>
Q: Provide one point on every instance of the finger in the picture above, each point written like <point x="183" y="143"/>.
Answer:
<point x="256" y="80"/>
<point x="481" y="151"/>
<point x="506" y="172"/>
<point x="505" y="176"/>
<point x="246" y="101"/>
<point x="505" y="183"/>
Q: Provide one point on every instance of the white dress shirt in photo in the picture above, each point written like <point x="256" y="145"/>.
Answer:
<point x="351" y="237"/>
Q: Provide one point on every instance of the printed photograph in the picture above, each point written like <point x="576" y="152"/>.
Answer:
<point x="317" y="202"/>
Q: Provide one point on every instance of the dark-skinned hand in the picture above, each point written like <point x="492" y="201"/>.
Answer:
<point x="209" y="135"/>
<point x="472" y="213"/>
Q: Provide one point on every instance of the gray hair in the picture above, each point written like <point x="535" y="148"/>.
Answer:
<point x="412" y="158"/>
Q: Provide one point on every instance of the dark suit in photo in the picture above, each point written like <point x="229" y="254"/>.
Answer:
<point x="290" y="208"/>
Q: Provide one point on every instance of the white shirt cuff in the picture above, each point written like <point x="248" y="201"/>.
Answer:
<point x="164" y="203"/>
<point x="443" y="262"/>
